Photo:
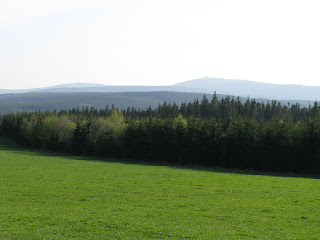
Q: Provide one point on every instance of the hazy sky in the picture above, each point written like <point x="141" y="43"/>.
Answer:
<point x="148" y="42"/>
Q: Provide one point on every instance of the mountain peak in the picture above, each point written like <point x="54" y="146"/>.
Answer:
<point x="246" y="88"/>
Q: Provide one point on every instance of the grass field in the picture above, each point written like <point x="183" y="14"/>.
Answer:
<point x="51" y="196"/>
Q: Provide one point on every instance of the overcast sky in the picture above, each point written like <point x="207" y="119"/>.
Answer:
<point x="148" y="42"/>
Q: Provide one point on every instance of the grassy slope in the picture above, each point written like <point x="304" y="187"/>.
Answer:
<point x="47" y="196"/>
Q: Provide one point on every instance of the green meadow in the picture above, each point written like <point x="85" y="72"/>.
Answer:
<point x="51" y="196"/>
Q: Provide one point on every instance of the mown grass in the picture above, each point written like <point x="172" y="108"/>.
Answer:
<point x="51" y="196"/>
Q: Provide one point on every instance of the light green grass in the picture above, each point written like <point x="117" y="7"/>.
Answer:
<point x="48" y="196"/>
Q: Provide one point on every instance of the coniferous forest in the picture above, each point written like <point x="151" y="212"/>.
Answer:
<point x="226" y="133"/>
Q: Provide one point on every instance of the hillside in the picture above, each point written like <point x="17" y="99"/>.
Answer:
<point x="49" y="101"/>
<point x="17" y="102"/>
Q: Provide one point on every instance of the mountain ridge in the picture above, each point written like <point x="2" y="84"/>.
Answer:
<point x="252" y="89"/>
<point x="233" y="87"/>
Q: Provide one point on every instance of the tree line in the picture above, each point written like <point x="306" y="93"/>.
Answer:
<point x="225" y="132"/>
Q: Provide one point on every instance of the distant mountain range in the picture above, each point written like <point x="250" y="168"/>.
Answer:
<point x="252" y="89"/>
<point x="232" y="87"/>
<point x="68" y="96"/>
<point x="69" y="87"/>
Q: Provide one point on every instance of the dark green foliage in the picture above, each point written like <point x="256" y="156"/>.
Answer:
<point x="224" y="132"/>
<point x="56" y="101"/>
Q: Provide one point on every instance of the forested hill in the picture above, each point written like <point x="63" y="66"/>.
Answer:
<point x="49" y="101"/>
<point x="43" y="101"/>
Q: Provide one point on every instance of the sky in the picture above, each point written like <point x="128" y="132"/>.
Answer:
<point x="149" y="42"/>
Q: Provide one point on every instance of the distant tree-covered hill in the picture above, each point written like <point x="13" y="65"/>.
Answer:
<point x="49" y="101"/>
<point x="33" y="101"/>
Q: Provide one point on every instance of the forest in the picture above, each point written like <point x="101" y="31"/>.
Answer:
<point x="216" y="132"/>
<point x="43" y="101"/>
